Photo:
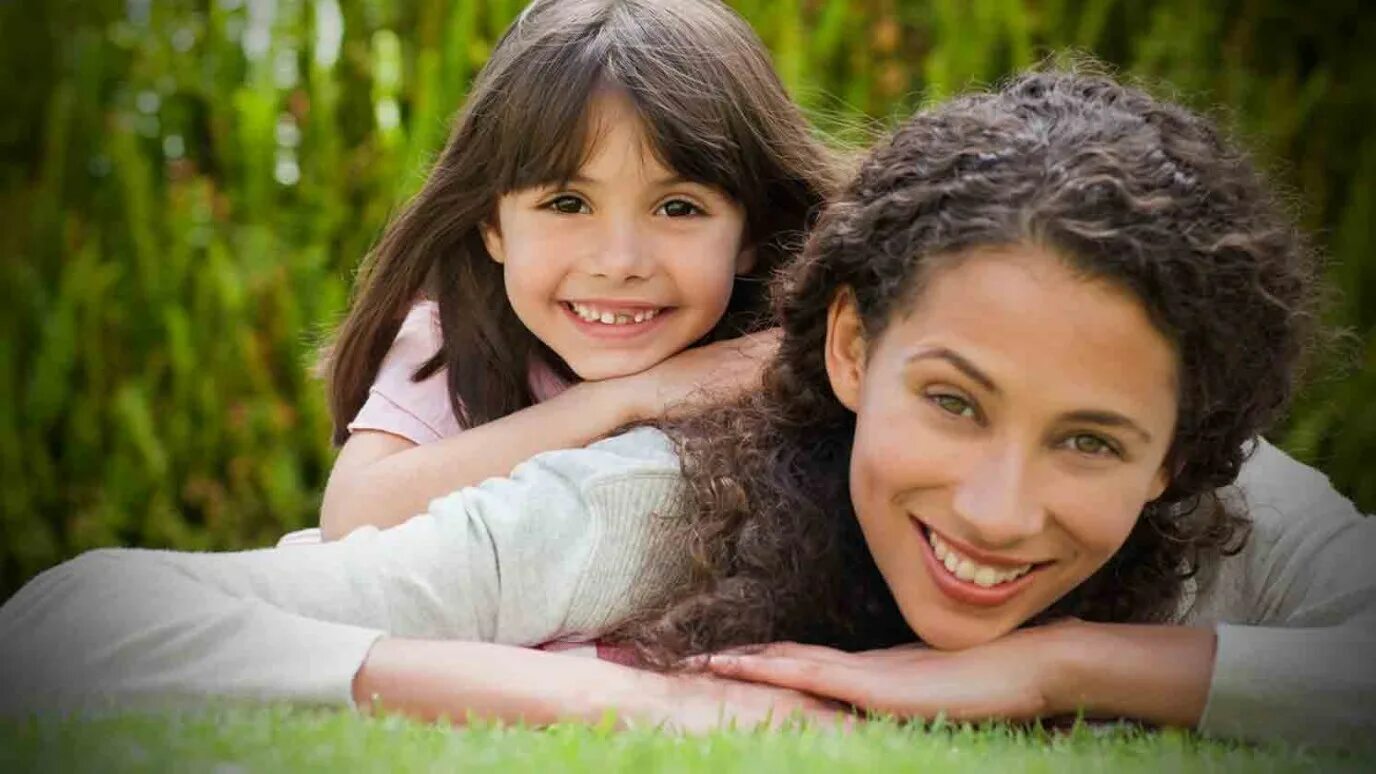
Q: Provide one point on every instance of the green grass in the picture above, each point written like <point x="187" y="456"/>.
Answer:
<point x="279" y="739"/>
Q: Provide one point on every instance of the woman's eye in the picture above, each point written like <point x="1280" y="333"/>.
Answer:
<point x="678" y="208"/>
<point x="954" y="404"/>
<point x="567" y="204"/>
<point x="1092" y="445"/>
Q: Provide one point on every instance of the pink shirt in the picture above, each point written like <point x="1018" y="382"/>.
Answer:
<point x="420" y="411"/>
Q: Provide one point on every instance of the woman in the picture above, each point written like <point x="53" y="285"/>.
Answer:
<point x="1020" y="357"/>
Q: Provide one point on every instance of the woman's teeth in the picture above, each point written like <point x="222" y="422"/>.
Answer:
<point x="971" y="571"/>
<point x="594" y="314"/>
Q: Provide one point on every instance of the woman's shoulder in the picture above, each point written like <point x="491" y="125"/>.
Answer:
<point x="1307" y="552"/>
<point x="1282" y="495"/>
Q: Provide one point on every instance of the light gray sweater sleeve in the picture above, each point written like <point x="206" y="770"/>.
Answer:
<point x="1295" y="613"/>
<point x="567" y="544"/>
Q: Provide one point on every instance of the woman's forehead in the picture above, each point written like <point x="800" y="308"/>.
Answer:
<point x="1032" y="322"/>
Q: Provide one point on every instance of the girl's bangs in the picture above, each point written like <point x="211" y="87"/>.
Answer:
<point x="546" y="128"/>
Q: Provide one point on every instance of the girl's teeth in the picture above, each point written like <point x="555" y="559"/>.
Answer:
<point x="968" y="570"/>
<point x="590" y="314"/>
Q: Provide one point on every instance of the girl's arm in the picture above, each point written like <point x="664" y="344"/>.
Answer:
<point x="382" y="479"/>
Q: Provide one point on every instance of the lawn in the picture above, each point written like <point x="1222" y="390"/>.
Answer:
<point x="279" y="739"/>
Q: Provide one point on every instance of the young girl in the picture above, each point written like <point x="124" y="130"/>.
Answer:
<point x="1020" y="356"/>
<point x="622" y="178"/>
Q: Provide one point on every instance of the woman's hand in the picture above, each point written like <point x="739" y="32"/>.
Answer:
<point x="1153" y="673"/>
<point x="714" y="372"/>
<point x="1007" y="678"/>
<point x="432" y="679"/>
<point x="702" y="702"/>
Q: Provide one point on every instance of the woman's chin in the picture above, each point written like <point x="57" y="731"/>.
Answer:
<point x="954" y="633"/>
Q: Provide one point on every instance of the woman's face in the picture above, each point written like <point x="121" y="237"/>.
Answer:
<point x="1011" y="424"/>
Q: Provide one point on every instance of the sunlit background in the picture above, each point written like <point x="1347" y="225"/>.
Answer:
<point x="188" y="187"/>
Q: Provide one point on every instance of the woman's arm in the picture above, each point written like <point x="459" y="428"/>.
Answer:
<point x="382" y="479"/>
<point x="431" y="680"/>
<point x="568" y="543"/>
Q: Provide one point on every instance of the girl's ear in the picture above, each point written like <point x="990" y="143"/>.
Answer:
<point x="845" y="349"/>
<point x="745" y="260"/>
<point x="492" y="240"/>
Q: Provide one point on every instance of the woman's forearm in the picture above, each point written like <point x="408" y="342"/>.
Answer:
<point x="391" y="490"/>
<point x="430" y="680"/>
<point x="434" y="679"/>
<point x="1158" y="674"/>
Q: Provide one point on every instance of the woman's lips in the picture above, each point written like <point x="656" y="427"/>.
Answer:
<point x="969" y="592"/>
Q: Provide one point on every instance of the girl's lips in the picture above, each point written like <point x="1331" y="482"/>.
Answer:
<point x="967" y="592"/>
<point x="621" y="331"/>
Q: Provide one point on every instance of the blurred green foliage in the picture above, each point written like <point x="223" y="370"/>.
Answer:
<point x="188" y="185"/>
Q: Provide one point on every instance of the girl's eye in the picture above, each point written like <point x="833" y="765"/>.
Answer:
<point x="954" y="404"/>
<point x="1092" y="445"/>
<point x="678" y="208"/>
<point x="567" y="204"/>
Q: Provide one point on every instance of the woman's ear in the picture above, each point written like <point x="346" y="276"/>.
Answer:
<point x="1168" y="471"/>
<point x="492" y="240"/>
<point x="845" y="348"/>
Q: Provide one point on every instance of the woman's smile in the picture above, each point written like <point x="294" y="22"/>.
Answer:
<point x="984" y="582"/>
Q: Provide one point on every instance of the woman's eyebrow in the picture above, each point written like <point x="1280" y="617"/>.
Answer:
<point x="1093" y="416"/>
<point x="1108" y="419"/>
<point x="961" y="364"/>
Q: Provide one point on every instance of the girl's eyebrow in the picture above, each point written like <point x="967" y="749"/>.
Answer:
<point x="1092" y="416"/>
<point x="667" y="180"/>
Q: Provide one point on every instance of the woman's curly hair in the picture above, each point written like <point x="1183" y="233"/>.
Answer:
<point x="1125" y="188"/>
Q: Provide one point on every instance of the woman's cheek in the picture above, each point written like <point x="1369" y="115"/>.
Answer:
<point x="1097" y="518"/>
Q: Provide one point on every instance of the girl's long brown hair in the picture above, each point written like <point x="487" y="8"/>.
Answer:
<point x="1127" y="189"/>
<point x="715" y="112"/>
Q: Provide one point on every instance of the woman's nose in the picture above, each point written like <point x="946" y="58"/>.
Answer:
<point x="995" y="498"/>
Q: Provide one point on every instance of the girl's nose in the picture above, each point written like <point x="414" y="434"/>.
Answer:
<point x="995" y="500"/>
<point x="621" y="254"/>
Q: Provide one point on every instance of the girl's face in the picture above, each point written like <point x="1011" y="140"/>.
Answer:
<point x="626" y="264"/>
<point x="1011" y="424"/>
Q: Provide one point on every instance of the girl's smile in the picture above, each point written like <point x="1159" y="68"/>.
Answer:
<point x="617" y="320"/>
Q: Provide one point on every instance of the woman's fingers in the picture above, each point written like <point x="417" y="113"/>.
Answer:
<point x="792" y="650"/>
<point x="821" y="677"/>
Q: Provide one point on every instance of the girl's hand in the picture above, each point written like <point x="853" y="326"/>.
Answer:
<point x="1008" y="678"/>
<point x="714" y="372"/>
